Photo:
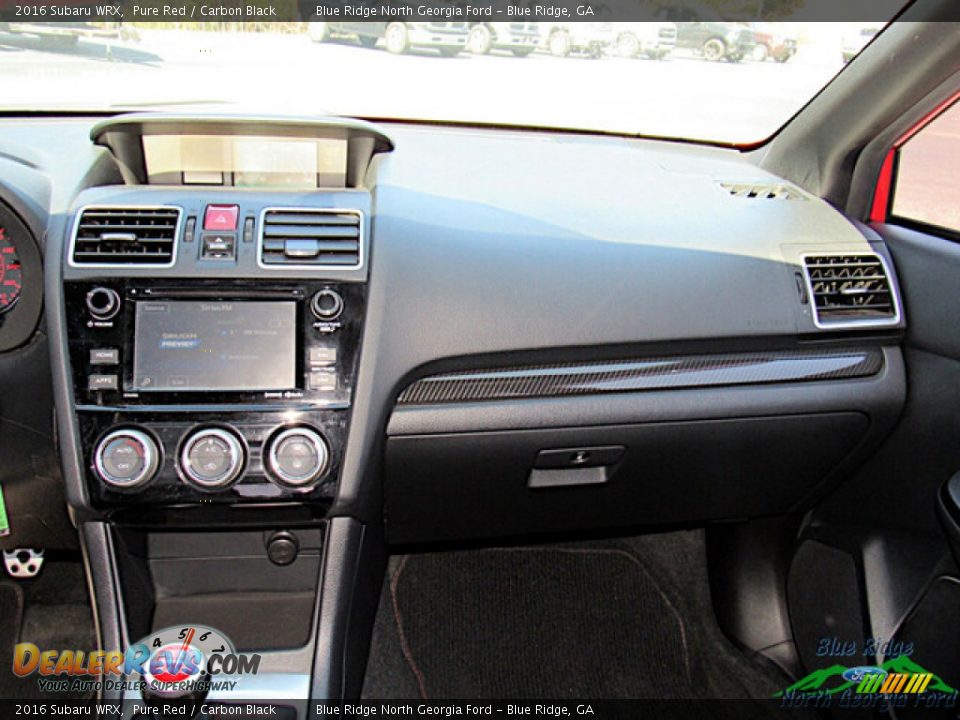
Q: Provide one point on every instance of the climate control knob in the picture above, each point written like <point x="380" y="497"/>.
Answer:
<point x="103" y="303"/>
<point x="212" y="458"/>
<point x="298" y="456"/>
<point x="126" y="458"/>
<point x="327" y="304"/>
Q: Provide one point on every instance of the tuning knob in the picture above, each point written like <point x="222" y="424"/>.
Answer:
<point x="327" y="304"/>
<point x="126" y="458"/>
<point x="212" y="458"/>
<point x="297" y="457"/>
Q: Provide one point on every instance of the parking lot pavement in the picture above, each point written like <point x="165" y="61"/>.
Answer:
<point x="266" y="72"/>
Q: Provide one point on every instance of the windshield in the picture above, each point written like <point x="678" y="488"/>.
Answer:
<point x="684" y="75"/>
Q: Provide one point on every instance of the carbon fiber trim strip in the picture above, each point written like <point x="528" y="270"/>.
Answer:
<point x="669" y="373"/>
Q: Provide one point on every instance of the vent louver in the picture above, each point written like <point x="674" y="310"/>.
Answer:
<point x="126" y="236"/>
<point x="320" y="238"/>
<point x="850" y="290"/>
<point x="752" y="191"/>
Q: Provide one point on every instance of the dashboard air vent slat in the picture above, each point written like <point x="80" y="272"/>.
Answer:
<point x="310" y="237"/>
<point x="850" y="289"/>
<point x="126" y="236"/>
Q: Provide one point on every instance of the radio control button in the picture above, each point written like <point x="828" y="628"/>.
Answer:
<point x="212" y="458"/>
<point x="105" y="356"/>
<point x="327" y="304"/>
<point x="126" y="458"/>
<point x="321" y="356"/>
<point x="298" y="456"/>
<point x="103" y="382"/>
<point x="103" y="303"/>
<point x="324" y="380"/>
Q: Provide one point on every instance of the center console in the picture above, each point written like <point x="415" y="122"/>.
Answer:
<point x="211" y="311"/>
<point x="214" y="391"/>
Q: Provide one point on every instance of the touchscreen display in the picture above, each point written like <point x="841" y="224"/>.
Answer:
<point x="213" y="345"/>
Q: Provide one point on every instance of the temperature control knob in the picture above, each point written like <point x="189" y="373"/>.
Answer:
<point x="212" y="458"/>
<point x="327" y="304"/>
<point x="126" y="458"/>
<point x="298" y="456"/>
<point x="103" y="303"/>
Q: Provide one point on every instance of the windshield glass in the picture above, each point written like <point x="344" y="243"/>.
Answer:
<point x="688" y="74"/>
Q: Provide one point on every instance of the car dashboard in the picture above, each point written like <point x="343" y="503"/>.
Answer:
<point x="434" y="334"/>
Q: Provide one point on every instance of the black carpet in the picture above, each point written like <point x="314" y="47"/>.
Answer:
<point x="611" y="619"/>
<point x="578" y="622"/>
<point x="52" y="611"/>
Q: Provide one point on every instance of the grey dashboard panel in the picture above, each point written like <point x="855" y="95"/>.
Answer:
<point x="191" y="201"/>
<point x="490" y="243"/>
<point x="494" y="244"/>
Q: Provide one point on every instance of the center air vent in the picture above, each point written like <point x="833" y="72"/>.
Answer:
<point x="126" y="236"/>
<point x="850" y="290"/>
<point x="318" y="238"/>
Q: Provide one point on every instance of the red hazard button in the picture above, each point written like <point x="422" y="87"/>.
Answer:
<point x="221" y="217"/>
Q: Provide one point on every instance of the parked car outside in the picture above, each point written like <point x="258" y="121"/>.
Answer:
<point x="518" y="38"/>
<point x="656" y="40"/>
<point x="716" y="41"/>
<point x="577" y="38"/>
<point x="702" y="30"/>
<point x="447" y="38"/>
<point x="772" y="44"/>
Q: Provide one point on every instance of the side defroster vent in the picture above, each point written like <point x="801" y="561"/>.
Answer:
<point x="851" y="290"/>
<point x="126" y="236"/>
<point x="318" y="238"/>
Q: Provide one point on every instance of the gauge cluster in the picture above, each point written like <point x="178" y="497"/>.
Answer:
<point x="21" y="280"/>
<point x="11" y="272"/>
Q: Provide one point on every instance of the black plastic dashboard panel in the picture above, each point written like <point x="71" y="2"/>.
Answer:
<point x="643" y="374"/>
<point x="472" y="485"/>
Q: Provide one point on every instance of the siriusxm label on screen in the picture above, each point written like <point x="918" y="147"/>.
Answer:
<point x="213" y="345"/>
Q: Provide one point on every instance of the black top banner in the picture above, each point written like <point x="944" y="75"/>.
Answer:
<point x="100" y="15"/>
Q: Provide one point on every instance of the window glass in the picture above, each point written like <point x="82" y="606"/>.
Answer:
<point x="928" y="176"/>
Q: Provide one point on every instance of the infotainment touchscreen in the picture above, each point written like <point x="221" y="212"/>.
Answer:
<point x="212" y="345"/>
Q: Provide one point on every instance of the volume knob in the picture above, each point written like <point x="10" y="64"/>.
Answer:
<point x="103" y="303"/>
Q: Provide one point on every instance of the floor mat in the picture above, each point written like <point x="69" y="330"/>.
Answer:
<point x="51" y="611"/>
<point x="577" y="622"/>
<point x="626" y="618"/>
<point x="11" y="612"/>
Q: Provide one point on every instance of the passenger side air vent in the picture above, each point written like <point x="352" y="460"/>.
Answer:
<point x="318" y="238"/>
<point x="752" y="191"/>
<point x="126" y="236"/>
<point x="850" y="290"/>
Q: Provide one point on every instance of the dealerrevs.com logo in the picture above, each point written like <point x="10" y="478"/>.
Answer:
<point x="170" y="663"/>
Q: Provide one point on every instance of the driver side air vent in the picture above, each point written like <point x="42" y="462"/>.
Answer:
<point x="318" y="238"/>
<point x="850" y="290"/>
<point x="126" y="236"/>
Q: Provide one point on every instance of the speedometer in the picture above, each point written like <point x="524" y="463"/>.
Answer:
<point x="11" y="274"/>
